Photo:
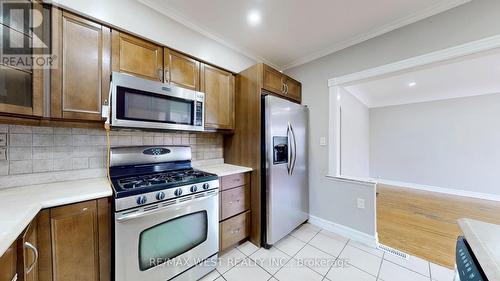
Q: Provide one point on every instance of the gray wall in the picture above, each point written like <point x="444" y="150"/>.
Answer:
<point x="450" y="143"/>
<point x="469" y="22"/>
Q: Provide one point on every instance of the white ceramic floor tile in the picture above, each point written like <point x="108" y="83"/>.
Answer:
<point x="290" y="245"/>
<point x="349" y="273"/>
<point x="315" y="259"/>
<point x="247" y="270"/>
<point x="293" y="271"/>
<point x="305" y="232"/>
<point x="248" y="248"/>
<point x="229" y="259"/>
<point x="271" y="260"/>
<point x="366" y="248"/>
<point x="329" y="243"/>
<point x="361" y="259"/>
<point x="393" y="272"/>
<point x="440" y="273"/>
<point x="416" y="264"/>
<point x="211" y="276"/>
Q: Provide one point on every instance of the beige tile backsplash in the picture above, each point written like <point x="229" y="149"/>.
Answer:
<point x="29" y="150"/>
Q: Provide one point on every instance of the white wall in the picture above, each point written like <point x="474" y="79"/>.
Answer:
<point x="475" y="20"/>
<point x="355" y="137"/>
<point x="451" y="143"/>
<point x="141" y="20"/>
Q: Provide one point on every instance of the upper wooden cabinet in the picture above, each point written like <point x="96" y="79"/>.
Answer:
<point x="181" y="70"/>
<point x="80" y="83"/>
<point x="136" y="56"/>
<point x="21" y="89"/>
<point x="272" y="80"/>
<point x="293" y="89"/>
<point x="218" y="86"/>
<point x="280" y="84"/>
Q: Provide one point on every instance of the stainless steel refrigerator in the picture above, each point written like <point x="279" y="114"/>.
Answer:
<point x="284" y="167"/>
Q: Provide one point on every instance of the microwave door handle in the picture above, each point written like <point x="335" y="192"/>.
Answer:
<point x="162" y="209"/>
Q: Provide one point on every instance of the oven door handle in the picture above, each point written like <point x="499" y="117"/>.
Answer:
<point x="159" y="210"/>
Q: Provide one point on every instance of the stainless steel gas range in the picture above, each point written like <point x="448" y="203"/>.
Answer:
<point x="166" y="215"/>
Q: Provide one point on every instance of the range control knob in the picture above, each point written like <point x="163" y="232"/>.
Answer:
<point x="178" y="192"/>
<point x="206" y="186"/>
<point x="160" y="195"/>
<point x="193" y="188"/>
<point x="141" y="200"/>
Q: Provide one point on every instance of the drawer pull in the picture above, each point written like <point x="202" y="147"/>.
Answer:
<point x="237" y="230"/>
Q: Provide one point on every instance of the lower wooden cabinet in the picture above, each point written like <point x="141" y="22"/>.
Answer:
<point x="74" y="242"/>
<point x="28" y="253"/>
<point x="234" y="230"/>
<point x="234" y="209"/>
<point x="8" y="264"/>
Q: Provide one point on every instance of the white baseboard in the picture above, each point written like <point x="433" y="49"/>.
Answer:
<point x="345" y="231"/>
<point x="444" y="190"/>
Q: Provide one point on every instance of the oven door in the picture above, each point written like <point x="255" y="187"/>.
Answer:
<point x="141" y="103"/>
<point x="159" y="244"/>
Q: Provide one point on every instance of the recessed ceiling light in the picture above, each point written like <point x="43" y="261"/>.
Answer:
<point x="412" y="84"/>
<point x="254" y="18"/>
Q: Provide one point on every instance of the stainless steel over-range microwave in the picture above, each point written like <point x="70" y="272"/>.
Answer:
<point x="141" y="103"/>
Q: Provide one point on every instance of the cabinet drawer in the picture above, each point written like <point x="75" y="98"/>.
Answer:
<point x="234" y="230"/>
<point x="236" y="180"/>
<point x="234" y="201"/>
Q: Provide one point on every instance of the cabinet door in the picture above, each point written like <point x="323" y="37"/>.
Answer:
<point x="273" y="80"/>
<point x="29" y="253"/>
<point x="21" y="86"/>
<point x="8" y="264"/>
<point x="136" y="56"/>
<point x="74" y="240"/>
<point x="181" y="70"/>
<point x="218" y="86"/>
<point x="293" y="89"/>
<point x="80" y="84"/>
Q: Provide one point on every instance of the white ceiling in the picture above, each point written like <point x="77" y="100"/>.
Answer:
<point x="473" y="75"/>
<point x="294" y="32"/>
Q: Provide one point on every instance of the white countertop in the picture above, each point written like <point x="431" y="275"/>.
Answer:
<point x="20" y="205"/>
<point x="484" y="239"/>
<point x="222" y="169"/>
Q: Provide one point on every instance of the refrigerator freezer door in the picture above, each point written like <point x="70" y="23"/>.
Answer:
<point x="287" y="198"/>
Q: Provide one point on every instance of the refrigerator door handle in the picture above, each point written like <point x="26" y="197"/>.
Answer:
<point x="290" y="153"/>
<point x="294" y="153"/>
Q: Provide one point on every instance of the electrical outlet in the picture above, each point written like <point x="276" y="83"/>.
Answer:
<point x="361" y="203"/>
<point x="3" y="139"/>
<point x="322" y="141"/>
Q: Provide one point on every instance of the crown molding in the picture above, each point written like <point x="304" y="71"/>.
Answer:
<point x="440" y="7"/>
<point x="415" y="17"/>
<point x="176" y="16"/>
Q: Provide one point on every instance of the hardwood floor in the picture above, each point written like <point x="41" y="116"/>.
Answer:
<point x="424" y="223"/>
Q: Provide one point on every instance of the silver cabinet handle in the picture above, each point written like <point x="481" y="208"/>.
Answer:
<point x="167" y="75"/>
<point x="283" y="88"/>
<point x="35" y="252"/>
<point x="286" y="88"/>
<point x="160" y="73"/>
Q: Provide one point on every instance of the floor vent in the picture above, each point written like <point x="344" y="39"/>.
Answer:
<point x="394" y="252"/>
